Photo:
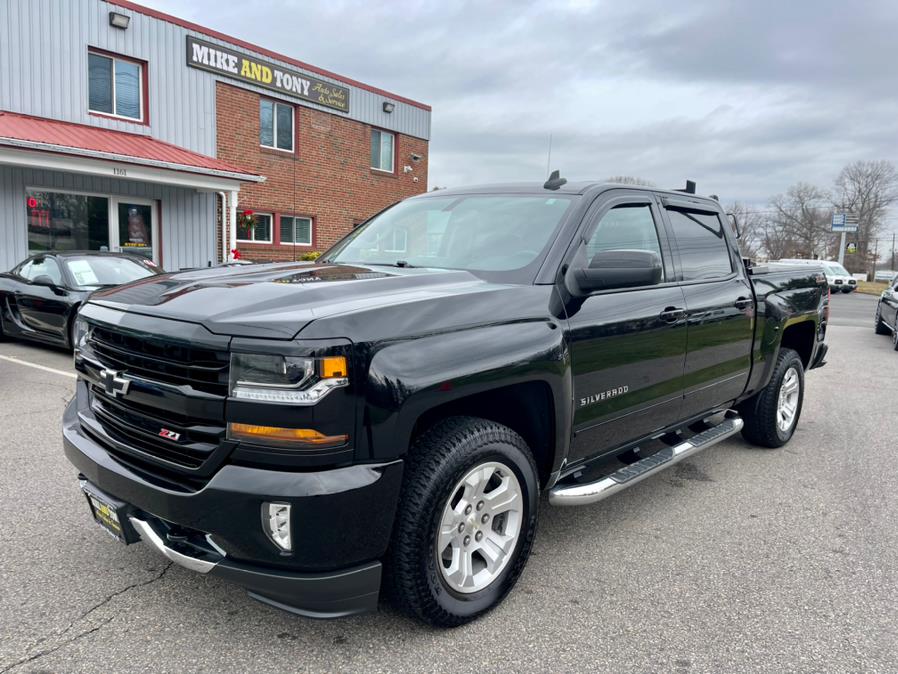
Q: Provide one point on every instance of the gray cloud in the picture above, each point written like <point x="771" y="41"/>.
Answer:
<point x="745" y="97"/>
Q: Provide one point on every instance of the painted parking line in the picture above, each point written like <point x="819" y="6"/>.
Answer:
<point x="19" y="361"/>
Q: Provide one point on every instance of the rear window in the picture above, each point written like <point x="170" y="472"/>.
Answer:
<point x="704" y="251"/>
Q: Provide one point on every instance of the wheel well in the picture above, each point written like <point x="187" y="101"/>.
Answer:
<point x="527" y="409"/>
<point x="800" y="338"/>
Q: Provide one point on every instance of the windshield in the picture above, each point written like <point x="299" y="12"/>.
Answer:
<point x="835" y="269"/>
<point x="102" y="271"/>
<point x="502" y="234"/>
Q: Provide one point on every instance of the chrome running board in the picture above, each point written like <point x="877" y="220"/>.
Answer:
<point x="592" y="492"/>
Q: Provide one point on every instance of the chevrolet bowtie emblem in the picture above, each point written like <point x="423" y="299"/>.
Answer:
<point x="114" y="383"/>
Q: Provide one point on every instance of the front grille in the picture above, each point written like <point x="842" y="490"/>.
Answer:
<point x="137" y="427"/>
<point x="162" y="360"/>
<point x="170" y="421"/>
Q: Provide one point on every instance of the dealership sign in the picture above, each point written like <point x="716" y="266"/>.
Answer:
<point x="227" y="62"/>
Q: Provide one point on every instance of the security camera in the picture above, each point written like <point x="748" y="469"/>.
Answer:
<point x="416" y="157"/>
<point x="407" y="169"/>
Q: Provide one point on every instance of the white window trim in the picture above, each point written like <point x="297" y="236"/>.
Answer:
<point x="142" y="93"/>
<point x="270" y="230"/>
<point x="392" y="169"/>
<point x="274" y="127"/>
<point x="311" y="232"/>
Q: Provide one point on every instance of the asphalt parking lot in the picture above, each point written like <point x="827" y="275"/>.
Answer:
<point x="738" y="560"/>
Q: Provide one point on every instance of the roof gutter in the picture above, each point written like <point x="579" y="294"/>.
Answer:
<point x="111" y="156"/>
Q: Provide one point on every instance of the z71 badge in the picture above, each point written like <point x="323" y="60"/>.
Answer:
<point x="169" y="435"/>
<point x="604" y="395"/>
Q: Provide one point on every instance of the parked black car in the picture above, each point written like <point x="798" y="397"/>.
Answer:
<point x="40" y="297"/>
<point x="886" y="318"/>
<point x="399" y="405"/>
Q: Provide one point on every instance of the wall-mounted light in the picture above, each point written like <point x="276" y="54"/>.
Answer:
<point x="389" y="107"/>
<point x="117" y="20"/>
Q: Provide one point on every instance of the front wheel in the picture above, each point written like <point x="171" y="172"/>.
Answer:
<point x="772" y="415"/>
<point x="466" y="520"/>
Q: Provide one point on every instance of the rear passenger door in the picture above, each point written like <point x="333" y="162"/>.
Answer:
<point x="719" y="306"/>
<point x="627" y="345"/>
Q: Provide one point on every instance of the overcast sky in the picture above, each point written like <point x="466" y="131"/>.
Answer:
<point x="745" y="97"/>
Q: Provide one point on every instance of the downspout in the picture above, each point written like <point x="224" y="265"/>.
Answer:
<point x="233" y="217"/>
<point x="224" y="226"/>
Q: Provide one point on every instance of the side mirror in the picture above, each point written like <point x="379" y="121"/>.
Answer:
<point x="611" y="269"/>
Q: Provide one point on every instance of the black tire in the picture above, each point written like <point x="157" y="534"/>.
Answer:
<point x="879" y="327"/>
<point x="434" y="466"/>
<point x="760" y="413"/>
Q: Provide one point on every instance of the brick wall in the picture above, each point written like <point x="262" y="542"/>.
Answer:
<point x="328" y="178"/>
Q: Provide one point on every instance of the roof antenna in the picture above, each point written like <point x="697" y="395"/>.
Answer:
<point x="555" y="181"/>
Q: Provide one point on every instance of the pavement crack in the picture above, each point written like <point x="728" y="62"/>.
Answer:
<point x="83" y="616"/>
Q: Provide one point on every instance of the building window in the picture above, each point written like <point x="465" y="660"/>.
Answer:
<point x="257" y="232"/>
<point x="275" y="125"/>
<point x="115" y="86"/>
<point x="296" y="231"/>
<point x="382" y="150"/>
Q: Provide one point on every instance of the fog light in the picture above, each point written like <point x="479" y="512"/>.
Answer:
<point x="276" y="522"/>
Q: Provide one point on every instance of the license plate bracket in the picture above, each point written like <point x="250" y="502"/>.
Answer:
<point x="110" y="514"/>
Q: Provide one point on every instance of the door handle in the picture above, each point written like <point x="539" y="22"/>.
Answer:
<point x="743" y="303"/>
<point x="672" y="314"/>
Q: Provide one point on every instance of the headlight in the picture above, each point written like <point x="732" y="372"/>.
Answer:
<point x="286" y="380"/>
<point x="80" y="333"/>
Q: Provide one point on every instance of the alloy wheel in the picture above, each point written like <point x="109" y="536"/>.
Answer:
<point x="479" y="527"/>
<point x="787" y="405"/>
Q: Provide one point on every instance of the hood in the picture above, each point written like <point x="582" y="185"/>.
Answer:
<point x="277" y="301"/>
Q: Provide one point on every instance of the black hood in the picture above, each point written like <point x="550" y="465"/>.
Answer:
<point x="279" y="300"/>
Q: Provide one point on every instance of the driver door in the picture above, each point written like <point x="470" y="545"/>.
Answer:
<point x="42" y="308"/>
<point x="628" y="346"/>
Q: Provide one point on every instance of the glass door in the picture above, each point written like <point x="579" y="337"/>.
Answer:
<point x="134" y="227"/>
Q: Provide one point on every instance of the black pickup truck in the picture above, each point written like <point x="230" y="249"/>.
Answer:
<point x="396" y="408"/>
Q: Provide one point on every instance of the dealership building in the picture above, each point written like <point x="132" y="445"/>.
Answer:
<point x="123" y="128"/>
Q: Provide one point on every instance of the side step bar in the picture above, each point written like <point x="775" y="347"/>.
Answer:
<point x="592" y="492"/>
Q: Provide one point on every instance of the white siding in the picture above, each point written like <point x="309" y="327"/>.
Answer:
<point x="43" y="72"/>
<point x="187" y="216"/>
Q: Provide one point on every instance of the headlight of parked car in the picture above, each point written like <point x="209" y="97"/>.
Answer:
<point x="286" y="380"/>
<point x="80" y="333"/>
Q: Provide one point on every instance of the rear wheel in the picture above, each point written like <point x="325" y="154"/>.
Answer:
<point x="772" y="415"/>
<point x="880" y="327"/>
<point x="466" y="520"/>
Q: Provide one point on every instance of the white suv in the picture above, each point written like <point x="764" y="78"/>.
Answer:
<point x="836" y="275"/>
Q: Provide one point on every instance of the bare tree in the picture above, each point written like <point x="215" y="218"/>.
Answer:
<point x="630" y="180"/>
<point x="751" y="228"/>
<point x="866" y="189"/>
<point x="802" y="218"/>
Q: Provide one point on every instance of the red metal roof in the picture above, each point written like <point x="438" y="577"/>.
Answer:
<point x="156" y="14"/>
<point x="98" y="142"/>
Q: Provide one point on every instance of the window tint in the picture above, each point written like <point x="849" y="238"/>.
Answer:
<point x="381" y="150"/>
<point x="275" y="125"/>
<point x="296" y="230"/>
<point x="115" y="86"/>
<point x="627" y="227"/>
<point x="704" y="251"/>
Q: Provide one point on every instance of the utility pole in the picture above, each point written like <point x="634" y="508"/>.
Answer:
<point x="549" y="157"/>
<point x="893" y="251"/>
